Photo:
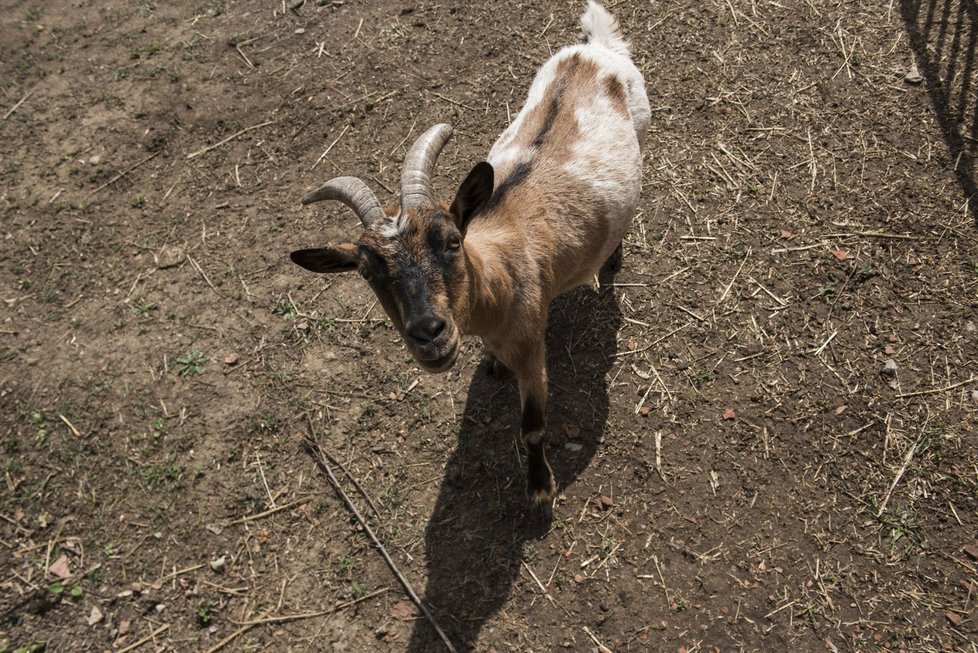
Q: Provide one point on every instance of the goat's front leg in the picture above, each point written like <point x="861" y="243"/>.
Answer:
<point x="531" y="375"/>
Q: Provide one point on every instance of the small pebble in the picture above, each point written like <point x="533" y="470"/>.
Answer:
<point x="890" y="367"/>
<point x="218" y="564"/>
<point x="95" y="616"/>
<point x="169" y="257"/>
<point x="914" y="76"/>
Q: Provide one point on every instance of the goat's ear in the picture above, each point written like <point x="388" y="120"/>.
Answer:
<point x="472" y="195"/>
<point x="334" y="258"/>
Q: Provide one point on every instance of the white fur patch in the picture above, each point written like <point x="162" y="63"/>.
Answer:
<point x="394" y="226"/>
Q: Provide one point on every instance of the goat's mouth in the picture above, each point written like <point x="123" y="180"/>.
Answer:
<point x="438" y="359"/>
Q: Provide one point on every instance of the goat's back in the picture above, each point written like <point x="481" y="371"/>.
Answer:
<point x="570" y="164"/>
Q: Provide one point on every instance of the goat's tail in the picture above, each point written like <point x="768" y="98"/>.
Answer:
<point x="601" y="27"/>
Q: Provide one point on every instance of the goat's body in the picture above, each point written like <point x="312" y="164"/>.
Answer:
<point x="568" y="174"/>
<point x="568" y="177"/>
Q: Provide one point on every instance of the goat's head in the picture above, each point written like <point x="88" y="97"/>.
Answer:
<point x="413" y="254"/>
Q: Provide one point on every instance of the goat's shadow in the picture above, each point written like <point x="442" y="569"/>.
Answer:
<point x="474" y="542"/>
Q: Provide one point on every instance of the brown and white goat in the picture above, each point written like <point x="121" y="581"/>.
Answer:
<point x="539" y="217"/>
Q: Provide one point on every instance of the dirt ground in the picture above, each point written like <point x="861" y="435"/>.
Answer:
<point x="764" y="431"/>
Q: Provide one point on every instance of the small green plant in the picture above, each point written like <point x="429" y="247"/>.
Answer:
<point x="138" y="202"/>
<point x="157" y="429"/>
<point x="826" y="291"/>
<point x="357" y="590"/>
<point x="203" y="612"/>
<point x="702" y="377"/>
<point x="286" y="309"/>
<point x="160" y="474"/>
<point x="33" y="647"/>
<point x="120" y="74"/>
<point x="141" y="308"/>
<point x="811" y="612"/>
<point x="40" y="421"/>
<point x="192" y="363"/>
<point x="901" y="525"/>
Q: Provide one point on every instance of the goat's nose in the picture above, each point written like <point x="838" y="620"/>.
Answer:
<point x="426" y="329"/>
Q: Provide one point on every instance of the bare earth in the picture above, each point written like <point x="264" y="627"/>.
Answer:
<point x="764" y="431"/>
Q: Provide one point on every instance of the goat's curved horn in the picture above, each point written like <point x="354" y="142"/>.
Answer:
<point x="419" y="165"/>
<point x="352" y="192"/>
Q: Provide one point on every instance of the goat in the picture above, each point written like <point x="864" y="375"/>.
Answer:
<point x="549" y="206"/>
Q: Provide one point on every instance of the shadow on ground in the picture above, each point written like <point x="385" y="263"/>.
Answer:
<point x="944" y="35"/>
<point x="476" y="539"/>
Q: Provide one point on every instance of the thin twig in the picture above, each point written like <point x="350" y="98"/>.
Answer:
<point x="202" y="274"/>
<point x="736" y="274"/>
<point x="318" y="454"/>
<point x="11" y="110"/>
<point x="179" y="572"/>
<point x="337" y="140"/>
<point x="123" y="174"/>
<point x="896" y="479"/>
<point x="601" y="647"/>
<point x="205" y="150"/>
<point x="936" y="390"/>
<point x="320" y="613"/>
<point x="543" y="589"/>
<point x="144" y="640"/>
<point x="261" y="515"/>
<point x="71" y="426"/>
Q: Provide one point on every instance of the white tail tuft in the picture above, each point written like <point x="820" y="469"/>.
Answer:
<point x="601" y="27"/>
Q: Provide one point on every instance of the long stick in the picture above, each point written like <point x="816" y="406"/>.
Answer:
<point x="319" y="455"/>
<point x="248" y="625"/>
<point x="936" y="390"/>
<point x="205" y="150"/>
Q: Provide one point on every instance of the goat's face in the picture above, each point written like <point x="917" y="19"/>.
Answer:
<point x="415" y="263"/>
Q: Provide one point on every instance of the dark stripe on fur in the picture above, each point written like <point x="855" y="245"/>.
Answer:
<point x="515" y="178"/>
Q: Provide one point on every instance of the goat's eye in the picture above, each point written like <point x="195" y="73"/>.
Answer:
<point x="454" y="242"/>
<point x="365" y="273"/>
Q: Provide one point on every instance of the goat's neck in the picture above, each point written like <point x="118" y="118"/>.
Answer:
<point x="490" y="282"/>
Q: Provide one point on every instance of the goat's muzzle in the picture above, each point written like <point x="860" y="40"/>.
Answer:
<point x="434" y="342"/>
